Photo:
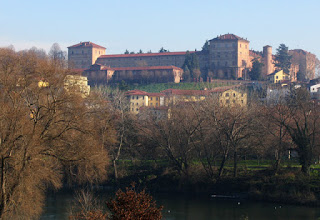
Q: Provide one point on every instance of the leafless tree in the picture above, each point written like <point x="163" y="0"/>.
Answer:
<point x="46" y="134"/>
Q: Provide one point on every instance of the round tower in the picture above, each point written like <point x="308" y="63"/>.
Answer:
<point x="267" y="60"/>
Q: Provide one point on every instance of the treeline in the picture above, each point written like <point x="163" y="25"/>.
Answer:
<point x="209" y="134"/>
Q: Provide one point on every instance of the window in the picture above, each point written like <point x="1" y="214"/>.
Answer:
<point x="132" y="109"/>
<point x="234" y="95"/>
<point x="246" y="46"/>
<point x="227" y="94"/>
<point x="242" y="101"/>
<point x="240" y="45"/>
<point x="157" y="98"/>
<point x="82" y="51"/>
<point x="137" y="109"/>
<point x="227" y="101"/>
<point x="137" y="97"/>
<point x="234" y="101"/>
<point x="151" y="98"/>
<point x="156" y="104"/>
<point x="71" y="52"/>
<point x="137" y="103"/>
<point x="132" y="97"/>
<point x="276" y="77"/>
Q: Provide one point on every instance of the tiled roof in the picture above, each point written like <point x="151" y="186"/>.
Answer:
<point x="185" y="92"/>
<point x="137" y="68"/>
<point x="87" y="44"/>
<point x="140" y="92"/>
<point x="144" y="54"/>
<point x="146" y="68"/>
<point x="229" y="37"/>
<point x="136" y="92"/>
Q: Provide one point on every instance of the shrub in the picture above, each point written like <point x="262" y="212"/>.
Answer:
<point x="131" y="205"/>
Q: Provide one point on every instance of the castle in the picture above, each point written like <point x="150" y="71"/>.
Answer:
<point x="226" y="57"/>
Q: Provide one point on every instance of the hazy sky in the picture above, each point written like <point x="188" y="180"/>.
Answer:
<point x="149" y="25"/>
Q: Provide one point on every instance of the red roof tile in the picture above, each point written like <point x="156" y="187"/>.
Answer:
<point x="144" y="54"/>
<point x="185" y="92"/>
<point x="136" y="92"/>
<point x="145" y="68"/>
<point x="87" y="44"/>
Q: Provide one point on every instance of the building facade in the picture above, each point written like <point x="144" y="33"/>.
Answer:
<point x="84" y="54"/>
<point x="227" y="57"/>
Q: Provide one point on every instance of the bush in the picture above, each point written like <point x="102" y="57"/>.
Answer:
<point x="130" y="205"/>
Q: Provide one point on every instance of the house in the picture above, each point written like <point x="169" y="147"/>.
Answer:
<point x="141" y="100"/>
<point x="278" y="77"/>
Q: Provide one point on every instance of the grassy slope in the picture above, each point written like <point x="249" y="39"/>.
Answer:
<point x="186" y="86"/>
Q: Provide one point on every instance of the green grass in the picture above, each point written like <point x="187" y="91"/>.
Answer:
<point x="158" y="87"/>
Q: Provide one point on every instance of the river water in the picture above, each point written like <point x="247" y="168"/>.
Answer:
<point x="181" y="207"/>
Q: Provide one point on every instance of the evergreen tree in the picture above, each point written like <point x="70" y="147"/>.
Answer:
<point x="192" y="62"/>
<point x="162" y="50"/>
<point x="283" y="59"/>
<point x="205" y="47"/>
<point x="126" y="52"/>
<point x="256" y="71"/>
<point x="140" y="51"/>
<point x="186" y="74"/>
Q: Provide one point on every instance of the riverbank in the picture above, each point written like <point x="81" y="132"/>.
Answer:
<point x="288" y="186"/>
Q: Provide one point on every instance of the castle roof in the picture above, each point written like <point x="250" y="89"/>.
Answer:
<point x="87" y="44"/>
<point x="139" y="68"/>
<point x="229" y="37"/>
<point x="146" y="68"/>
<point x="145" y="54"/>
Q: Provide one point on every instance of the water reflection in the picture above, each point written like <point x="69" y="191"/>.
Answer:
<point x="179" y="207"/>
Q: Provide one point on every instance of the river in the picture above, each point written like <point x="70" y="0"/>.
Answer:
<point x="181" y="207"/>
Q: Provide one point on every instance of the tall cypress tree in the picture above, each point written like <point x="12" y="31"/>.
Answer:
<point x="283" y="59"/>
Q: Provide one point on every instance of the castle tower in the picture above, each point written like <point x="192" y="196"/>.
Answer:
<point x="229" y="56"/>
<point x="84" y="54"/>
<point x="267" y="60"/>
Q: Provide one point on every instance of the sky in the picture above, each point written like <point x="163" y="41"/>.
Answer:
<point x="176" y="25"/>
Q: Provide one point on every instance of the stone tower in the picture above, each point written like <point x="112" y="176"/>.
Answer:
<point x="229" y="56"/>
<point x="84" y="54"/>
<point x="267" y="61"/>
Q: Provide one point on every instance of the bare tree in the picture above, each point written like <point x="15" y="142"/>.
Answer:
<point x="46" y="134"/>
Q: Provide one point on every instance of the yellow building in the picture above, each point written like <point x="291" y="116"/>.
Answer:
<point x="155" y="99"/>
<point x="176" y="95"/>
<point x="232" y="97"/>
<point x="278" y="77"/>
<point x="143" y="100"/>
<point x="137" y="99"/>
